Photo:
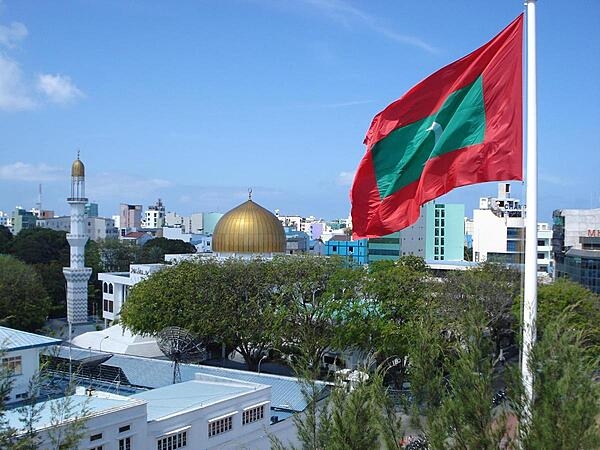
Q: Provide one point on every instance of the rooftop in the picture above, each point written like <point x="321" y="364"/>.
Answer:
<point x="11" y="339"/>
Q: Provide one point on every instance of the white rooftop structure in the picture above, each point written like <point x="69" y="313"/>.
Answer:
<point x="117" y="339"/>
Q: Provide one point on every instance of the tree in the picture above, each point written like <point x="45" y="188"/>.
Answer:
<point x="40" y="246"/>
<point x="5" y="238"/>
<point x="566" y="408"/>
<point x="305" y="307"/>
<point x="583" y="304"/>
<point x="491" y="286"/>
<point x="116" y="255"/>
<point x="24" y="303"/>
<point x="228" y="302"/>
<point x="155" y="249"/>
<point x="48" y="252"/>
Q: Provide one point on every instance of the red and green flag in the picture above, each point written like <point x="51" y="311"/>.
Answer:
<point x="461" y="125"/>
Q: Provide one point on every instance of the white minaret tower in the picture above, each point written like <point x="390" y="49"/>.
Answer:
<point x="77" y="274"/>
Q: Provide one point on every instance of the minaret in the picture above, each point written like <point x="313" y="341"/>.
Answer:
<point x="77" y="274"/>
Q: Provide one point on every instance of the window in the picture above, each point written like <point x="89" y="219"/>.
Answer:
<point x="96" y="448"/>
<point x="253" y="414"/>
<point x="108" y="305"/>
<point x="125" y="428"/>
<point x="105" y="286"/>
<point x="219" y="426"/>
<point x="13" y="364"/>
<point x="95" y="437"/>
<point x="125" y="443"/>
<point x="110" y="288"/>
<point x="541" y="256"/>
<point x="172" y="442"/>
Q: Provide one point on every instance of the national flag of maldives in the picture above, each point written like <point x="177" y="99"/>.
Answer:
<point x="462" y="125"/>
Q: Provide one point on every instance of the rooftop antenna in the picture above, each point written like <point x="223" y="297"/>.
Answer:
<point x="180" y="346"/>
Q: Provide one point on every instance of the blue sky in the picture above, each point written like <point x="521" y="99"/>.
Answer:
<point x="195" y="102"/>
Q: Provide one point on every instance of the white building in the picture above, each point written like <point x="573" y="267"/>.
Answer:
<point x="499" y="231"/>
<point x="116" y="286"/>
<point x="154" y="216"/>
<point x="211" y="408"/>
<point x="21" y="356"/>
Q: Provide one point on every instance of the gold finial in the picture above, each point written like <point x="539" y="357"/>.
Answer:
<point x="249" y="193"/>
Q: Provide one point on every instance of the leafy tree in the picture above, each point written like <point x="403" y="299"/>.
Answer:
<point x="226" y="302"/>
<point x="491" y="286"/>
<point x="40" y="246"/>
<point x="566" y="408"/>
<point x="5" y="238"/>
<point x="398" y="292"/>
<point x="465" y="417"/>
<point x="305" y="307"/>
<point x="155" y="249"/>
<point x="116" y="255"/>
<point x="24" y="303"/>
<point x="48" y="252"/>
<point x="583" y="304"/>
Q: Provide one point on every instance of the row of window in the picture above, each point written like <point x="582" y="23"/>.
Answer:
<point x="172" y="442"/>
<point x="250" y="415"/>
<point x="107" y="288"/>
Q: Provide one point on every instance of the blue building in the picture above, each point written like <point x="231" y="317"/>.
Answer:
<point x="353" y="252"/>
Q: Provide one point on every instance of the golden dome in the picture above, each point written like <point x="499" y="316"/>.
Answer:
<point x="77" y="169"/>
<point x="249" y="228"/>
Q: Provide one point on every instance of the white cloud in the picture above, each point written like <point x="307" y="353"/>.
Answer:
<point x="11" y="34"/>
<point x="115" y="185"/>
<point x="20" y="171"/>
<point x="13" y="91"/>
<point x="58" y="88"/>
<point x="345" y="178"/>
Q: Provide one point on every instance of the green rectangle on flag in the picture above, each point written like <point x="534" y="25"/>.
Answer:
<point x="399" y="158"/>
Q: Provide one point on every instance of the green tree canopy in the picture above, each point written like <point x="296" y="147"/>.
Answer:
<point x="563" y="294"/>
<point x="154" y="250"/>
<point x="24" y="303"/>
<point x="40" y="246"/>
<point x="5" y="238"/>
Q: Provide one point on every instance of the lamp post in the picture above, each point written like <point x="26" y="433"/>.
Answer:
<point x="261" y="360"/>
<point x="101" y="341"/>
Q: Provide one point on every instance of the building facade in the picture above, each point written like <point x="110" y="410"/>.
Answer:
<point x="576" y="246"/>
<point x="154" y="216"/>
<point x="130" y="217"/>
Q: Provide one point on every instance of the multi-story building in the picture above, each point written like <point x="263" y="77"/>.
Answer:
<point x="154" y="216"/>
<point x="116" y="286"/>
<point x="91" y="209"/>
<point x="22" y="220"/>
<point x="98" y="228"/>
<point x="130" y="217"/>
<point x="384" y="248"/>
<point x="576" y="245"/>
<point x="352" y="252"/>
<point x="499" y="231"/>
<point x="5" y="220"/>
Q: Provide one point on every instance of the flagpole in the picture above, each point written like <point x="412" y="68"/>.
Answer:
<point x="530" y="289"/>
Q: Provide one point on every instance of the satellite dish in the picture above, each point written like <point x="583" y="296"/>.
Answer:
<point x="180" y="346"/>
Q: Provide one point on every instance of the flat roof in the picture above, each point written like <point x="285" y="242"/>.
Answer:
<point x="189" y="395"/>
<point x="286" y="392"/>
<point x="95" y="405"/>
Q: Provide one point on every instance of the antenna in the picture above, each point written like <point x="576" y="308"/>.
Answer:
<point x="180" y="346"/>
<point x="38" y="205"/>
